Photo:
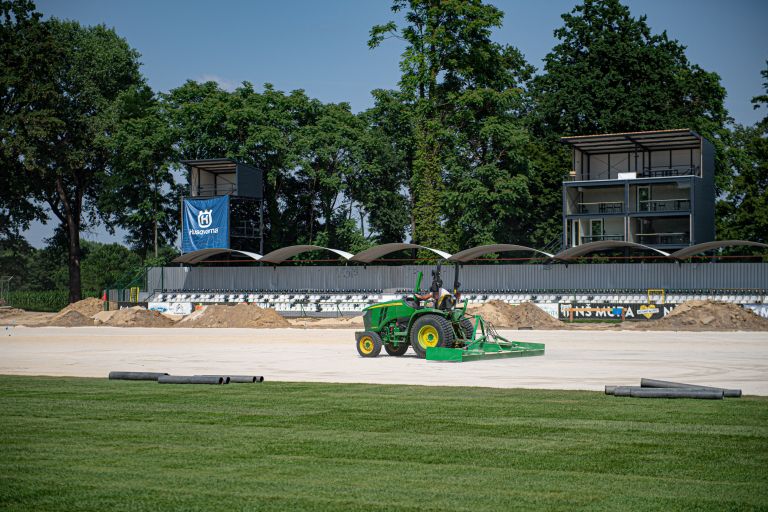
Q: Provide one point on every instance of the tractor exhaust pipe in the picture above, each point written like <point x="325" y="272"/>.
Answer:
<point x="640" y="392"/>
<point x="135" y="375"/>
<point x="193" y="379"/>
<point x="651" y="383"/>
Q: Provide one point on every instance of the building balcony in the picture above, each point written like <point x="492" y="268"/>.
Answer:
<point x="649" y="172"/>
<point x="665" y="205"/>
<point x="663" y="238"/>
<point x="601" y="238"/>
<point x="603" y="207"/>
<point x="217" y="190"/>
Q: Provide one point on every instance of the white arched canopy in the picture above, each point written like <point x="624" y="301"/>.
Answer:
<point x="193" y="257"/>
<point x="708" y="246"/>
<point x="581" y="250"/>
<point x="284" y="253"/>
<point x="481" y="250"/>
<point x="378" y="251"/>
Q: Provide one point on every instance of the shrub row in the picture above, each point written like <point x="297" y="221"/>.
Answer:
<point x="51" y="301"/>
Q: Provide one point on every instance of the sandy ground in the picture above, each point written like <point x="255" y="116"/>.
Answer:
<point x="573" y="360"/>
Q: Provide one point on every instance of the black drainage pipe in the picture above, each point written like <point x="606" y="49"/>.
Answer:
<point x="191" y="379"/>
<point x="639" y="392"/>
<point x="135" y="375"/>
<point x="652" y="383"/>
<point x="242" y="379"/>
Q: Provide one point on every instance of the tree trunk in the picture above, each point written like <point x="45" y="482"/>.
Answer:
<point x="75" y="291"/>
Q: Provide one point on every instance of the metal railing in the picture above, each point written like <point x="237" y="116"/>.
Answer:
<point x="601" y="238"/>
<point x="218" y="190"/>
<point x="665" y="205"/>
<point x="601" y="207"/>
<point x="663" y="238"/>
<point x="649" y="172"/>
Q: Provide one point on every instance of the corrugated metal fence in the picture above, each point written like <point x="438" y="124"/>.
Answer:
<point x="683" y="276"/>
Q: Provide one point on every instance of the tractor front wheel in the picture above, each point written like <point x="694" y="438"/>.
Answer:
<point x="369" y="344"/>
<point x="430" y="331"/>
<point x="401" y="349"/>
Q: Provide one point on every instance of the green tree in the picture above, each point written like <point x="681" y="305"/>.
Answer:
<point x="27" y="51"/>
<point x="105" y="265"/>
<point x="465" y="94"/>
<point x="308" y="150"/>
<point x="140" y="193"/>
<point x="743" y="214"/>
<point x="56" y="121"/>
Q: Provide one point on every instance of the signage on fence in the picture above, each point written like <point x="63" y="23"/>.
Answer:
<point x="175" y="308"/>
<point x="628" y="311"/>
<point x="205" y="224"/>
<point x="550" y="309"/>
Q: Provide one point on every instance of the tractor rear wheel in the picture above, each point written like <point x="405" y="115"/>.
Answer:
<point x="369" y="344"/>
<point x="430" y="331"/>
<point x="399" y="351"/>
<point x="467" y="328"/>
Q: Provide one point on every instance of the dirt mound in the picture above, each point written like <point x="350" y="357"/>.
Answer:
<point x="70" y="318"/>
<point x="704" y="315"/>
<point x="11" y="312"/>
<point x="137" y="317"/>
<point x="86" y="307"/>
<point x="240" y="315"/>
<point x="354" y="322"/>
<point x="525" y="316"/>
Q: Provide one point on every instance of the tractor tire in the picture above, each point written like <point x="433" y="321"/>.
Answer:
<point x="369" y="344"/>
<point x="430" y="331"/>
<point x="467" y="328"/>
<point x="401" y="349"/>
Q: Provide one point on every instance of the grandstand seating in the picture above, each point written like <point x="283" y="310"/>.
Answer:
<point x="352" y="302"/>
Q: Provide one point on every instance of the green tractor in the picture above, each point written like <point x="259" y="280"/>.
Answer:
<point x="436" y="326"/>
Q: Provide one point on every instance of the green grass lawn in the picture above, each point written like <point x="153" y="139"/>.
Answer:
<point x="94" y="444"/>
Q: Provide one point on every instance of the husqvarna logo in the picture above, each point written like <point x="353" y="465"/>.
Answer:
<point x="204" y="218"/>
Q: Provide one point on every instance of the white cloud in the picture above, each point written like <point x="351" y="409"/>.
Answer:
<point x="227" y="85"/>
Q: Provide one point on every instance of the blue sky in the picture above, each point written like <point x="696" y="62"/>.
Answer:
<point x="321" y="46"/>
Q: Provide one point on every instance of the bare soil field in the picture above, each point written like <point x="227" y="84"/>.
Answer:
<point x="579" y="359"/>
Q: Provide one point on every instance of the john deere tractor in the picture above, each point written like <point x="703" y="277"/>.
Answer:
<point x="436" y="326"/>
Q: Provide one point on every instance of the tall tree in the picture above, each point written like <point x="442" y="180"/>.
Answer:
<point x="463" y="90"/>
<point x="59" y="118"/>
<point x="140" y="192"/>
<point x="743" y="214"/>
<point x="27" y="51"/>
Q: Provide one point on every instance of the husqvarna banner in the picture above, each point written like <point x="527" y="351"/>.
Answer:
<point x="206" y="224"/>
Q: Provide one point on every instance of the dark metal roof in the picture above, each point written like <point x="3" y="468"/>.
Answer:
<point x="217" y="165"/>
<point x="481" y="250"/>
<point x="708" y="246"/>
<point x="203" y="254"/>
<point x="630" y="141"/>
<point x="378" y="251"/>
<point x="580" y="250"/>
<point x="284" y="253"/>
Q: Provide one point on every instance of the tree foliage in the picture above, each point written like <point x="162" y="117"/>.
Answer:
<point x="743" y="214"/>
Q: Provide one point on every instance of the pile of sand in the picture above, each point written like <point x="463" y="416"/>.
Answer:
<point x="4" y="312"/>
<point x="86" y="307"/>
<point x="240" y="315"/>
<point x="70" y="318"/>
<point x="353" y="322"/>
<point x="525" y="316"/>
<point x="704" y="315"/>
<point x="134" y="317"/>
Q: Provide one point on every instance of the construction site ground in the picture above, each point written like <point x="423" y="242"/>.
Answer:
<point x="581" y="359"/>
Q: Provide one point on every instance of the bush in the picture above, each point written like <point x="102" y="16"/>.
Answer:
<point x="50" y="301"/>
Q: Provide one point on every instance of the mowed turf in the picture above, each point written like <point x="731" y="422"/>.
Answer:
<point x="94" y="444"/>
